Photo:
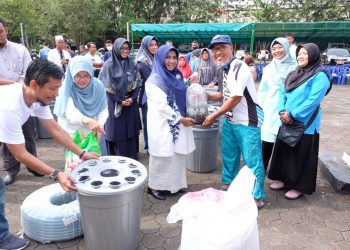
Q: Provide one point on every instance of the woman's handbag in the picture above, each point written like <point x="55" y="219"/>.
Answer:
<point x="291" y="134"/>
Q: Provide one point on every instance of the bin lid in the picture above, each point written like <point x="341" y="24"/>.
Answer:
<point x="109" y="175"/>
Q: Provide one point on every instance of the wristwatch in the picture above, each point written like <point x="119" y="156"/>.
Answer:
<point x="54" y="175"/>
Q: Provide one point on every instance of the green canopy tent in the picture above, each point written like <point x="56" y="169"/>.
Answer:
<point x="247" y="32"/>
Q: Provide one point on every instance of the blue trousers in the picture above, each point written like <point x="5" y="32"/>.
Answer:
<point x="4" y="226"/>
<point x="246" y="140"/>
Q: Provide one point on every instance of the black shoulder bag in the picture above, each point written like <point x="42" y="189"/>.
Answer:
<point x="291" y="134"/>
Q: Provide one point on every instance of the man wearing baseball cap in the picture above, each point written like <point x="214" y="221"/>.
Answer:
<point x="243" y="117"/>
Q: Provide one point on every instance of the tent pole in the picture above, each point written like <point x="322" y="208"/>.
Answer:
<point x="132" y="44"/>
<point x="252" y="40"/>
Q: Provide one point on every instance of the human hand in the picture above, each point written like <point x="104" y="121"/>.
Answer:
<point x="94" y="126"/>
<point x="66" y="181"/>
<point x="211" y="85"/>
<point x="186" y="121"/>
<point x="89" y="155"/>
<point x="209" y="120"/>
<point x="127" y="102"/>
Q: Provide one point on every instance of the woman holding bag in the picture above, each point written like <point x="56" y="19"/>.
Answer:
<point x="81" y="104"/>
<point x="295" y="168"/>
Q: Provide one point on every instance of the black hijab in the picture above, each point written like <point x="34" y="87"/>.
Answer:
<point x="119" y="75"/>
<point x="301" y="74"/>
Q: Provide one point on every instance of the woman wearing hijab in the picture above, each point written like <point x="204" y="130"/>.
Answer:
<point x="170" y="137"/>
<point x="81" y="104"/>
<point x="272" y="80"/>
<point x="144" y="63"/>
<point x="295" y="168"/>
<point x="206" y="68"/>
<point x="122" y="83"/>
<point x="184" y="67"/>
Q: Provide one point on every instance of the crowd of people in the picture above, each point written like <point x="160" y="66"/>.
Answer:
<point x="105" y="96"/>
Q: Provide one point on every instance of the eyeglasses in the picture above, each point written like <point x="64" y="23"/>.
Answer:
<point x="221" y="49"/>
<point x="82" y="77"/>
<point x="125" y="49"/>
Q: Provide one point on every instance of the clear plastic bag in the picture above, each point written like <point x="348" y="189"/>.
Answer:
<point x="196" y="103"/>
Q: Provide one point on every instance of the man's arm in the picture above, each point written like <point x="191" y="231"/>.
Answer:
<point x="62" y="137"/>
<point x="5" y="81"/>
<point x="21" y="154"/>
<point x="227" y="106"/>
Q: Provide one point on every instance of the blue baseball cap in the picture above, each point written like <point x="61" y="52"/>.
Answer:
<point x="220" y="39"/>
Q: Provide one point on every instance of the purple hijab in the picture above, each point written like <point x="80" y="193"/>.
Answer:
<point x="171" y="82"/>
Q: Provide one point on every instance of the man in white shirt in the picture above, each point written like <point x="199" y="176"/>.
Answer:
<point x="243" y="118"/>
<point x="14" y="60"/>
<point x="96" y="60"/>
<point x="17" y="102"/>
<point x="293" y="47"/>
<point x="58" y="55"/>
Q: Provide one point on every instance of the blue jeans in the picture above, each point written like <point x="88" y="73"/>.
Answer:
<point x="4" y="226"/>
<point x="246" y="140"/>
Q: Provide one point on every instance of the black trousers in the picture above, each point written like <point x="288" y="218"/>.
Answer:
<point x="267" y="148"/>
<point x="11" y="165"/>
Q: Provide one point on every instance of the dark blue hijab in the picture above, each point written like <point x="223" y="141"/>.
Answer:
<point x="171" y="82"/>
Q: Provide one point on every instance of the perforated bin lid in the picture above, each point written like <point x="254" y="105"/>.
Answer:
<point x="109" y="175"/>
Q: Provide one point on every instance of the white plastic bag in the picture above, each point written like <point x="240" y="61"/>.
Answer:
<point x="219" y="220"/>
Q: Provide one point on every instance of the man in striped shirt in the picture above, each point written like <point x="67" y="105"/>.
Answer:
<point x="243" y="117"/>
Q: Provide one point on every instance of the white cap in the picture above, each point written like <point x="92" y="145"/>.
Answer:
<point x="58" y="37"/>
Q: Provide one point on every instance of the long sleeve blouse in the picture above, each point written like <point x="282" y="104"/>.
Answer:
<point x="72" y="119"/>
<point x="301" y="102"/>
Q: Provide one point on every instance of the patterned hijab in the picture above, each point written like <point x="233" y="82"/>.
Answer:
<point x="206" y="68"/>
<point x="171" y="82"/>
<point x="301" y="74"/>
<point x="144" y="55"/>
<point x="91" y="100"/>
<point x="119" y="75"/>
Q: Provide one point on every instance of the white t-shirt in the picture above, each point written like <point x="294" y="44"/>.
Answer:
<point x="94" y="58"/>
<point x="244" y="112"/>
<point x="14" y="113"/>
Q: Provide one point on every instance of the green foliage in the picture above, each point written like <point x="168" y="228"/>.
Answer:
<point x="95" y="20"/>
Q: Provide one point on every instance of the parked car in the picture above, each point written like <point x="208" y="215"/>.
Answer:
<point x="263" y="55"/>
<point x="339" y="55"/>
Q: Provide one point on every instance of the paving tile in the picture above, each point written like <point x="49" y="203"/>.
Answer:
<point x="291" y="217"/>
<point x="337" y="224"/>
<point x="297" y="239"/>
<point x="346" y="235"/>
<point x="170" y="230"/>
<point x="342" y="245"/>
<point x="318" y="243"/>
<point x="172" y="244"/>
<point x="329" y="234"/>
<point x="153" y="240"/>
<point x="149" y="227"/>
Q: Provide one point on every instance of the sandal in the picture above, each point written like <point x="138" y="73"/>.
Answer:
<point x="293" y="194"/>
<point x="278" y="185"/>
<point x="259" y="203"/>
